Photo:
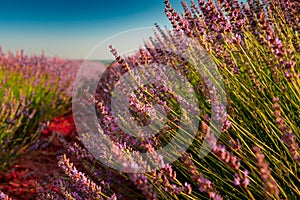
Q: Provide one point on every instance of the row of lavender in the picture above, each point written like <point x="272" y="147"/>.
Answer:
<point x="257" y="155"/>
<point x="33" y="89"/>
<point x="256" y="49"/>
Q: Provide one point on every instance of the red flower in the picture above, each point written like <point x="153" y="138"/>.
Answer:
<point x="63" y="125"/>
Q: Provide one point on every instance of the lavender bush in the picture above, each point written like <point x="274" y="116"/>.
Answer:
<point x="256" y="49"/>
<point x="33" y="89"/>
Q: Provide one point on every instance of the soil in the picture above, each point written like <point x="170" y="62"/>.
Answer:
<point x="20" y="181"/>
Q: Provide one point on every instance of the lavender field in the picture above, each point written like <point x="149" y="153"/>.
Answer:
<point x="208" y="109"/>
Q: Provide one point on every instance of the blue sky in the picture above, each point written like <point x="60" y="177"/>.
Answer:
<point x="71" y="29"/>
